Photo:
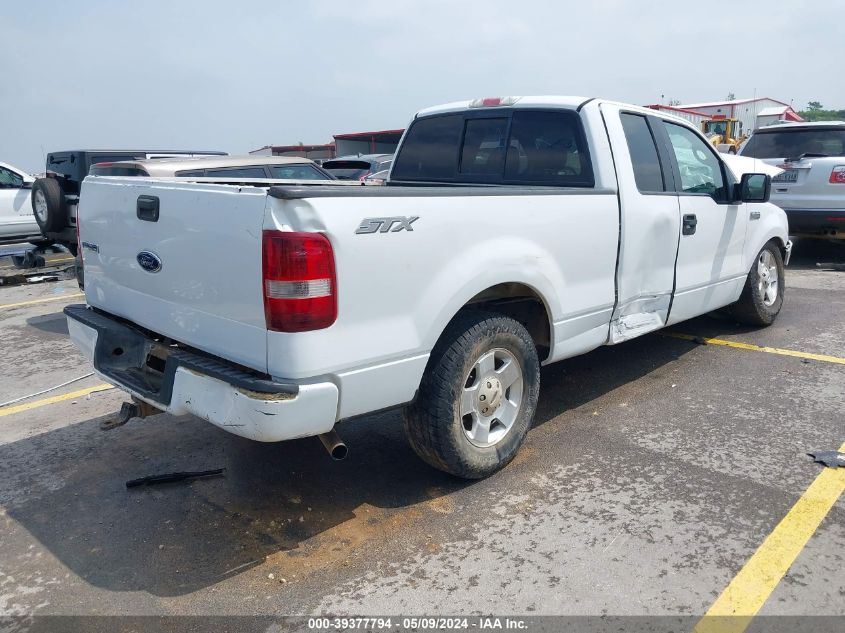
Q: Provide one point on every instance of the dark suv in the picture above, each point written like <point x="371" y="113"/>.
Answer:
<point x="56" y="196"/>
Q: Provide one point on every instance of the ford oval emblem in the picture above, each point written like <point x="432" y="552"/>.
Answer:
<point x="149" y="261"/>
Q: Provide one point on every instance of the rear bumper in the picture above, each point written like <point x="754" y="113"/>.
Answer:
<point x="815" y="221"/>
<point x="182" y="382"/>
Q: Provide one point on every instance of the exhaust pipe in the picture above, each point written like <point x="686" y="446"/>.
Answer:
<point x="334" y="445"/>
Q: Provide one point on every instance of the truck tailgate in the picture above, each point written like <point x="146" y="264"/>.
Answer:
<point x="206" y="240"/>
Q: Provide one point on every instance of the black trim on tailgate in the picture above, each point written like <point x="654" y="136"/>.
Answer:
<point x="433" y="190"/>
<point x="137" y="361"/>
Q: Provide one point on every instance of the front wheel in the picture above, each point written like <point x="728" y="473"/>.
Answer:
<point x="762" y="297"/>
<point x="478" y="396"/>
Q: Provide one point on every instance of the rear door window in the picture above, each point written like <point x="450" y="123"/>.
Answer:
<point x="644" y="158"/>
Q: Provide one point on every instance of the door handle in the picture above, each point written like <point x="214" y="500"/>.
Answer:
<point x="690" y="222"/>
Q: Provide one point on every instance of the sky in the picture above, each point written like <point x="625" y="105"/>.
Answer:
<point x="235" y="76"/>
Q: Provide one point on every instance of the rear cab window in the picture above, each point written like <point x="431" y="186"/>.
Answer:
<point x="497" y="147"/>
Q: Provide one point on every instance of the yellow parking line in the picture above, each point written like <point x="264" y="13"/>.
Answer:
<point x="34" y="301"/>
<point x="53" y="399"/>
<point x="756" y="348"/>
<point x="746" y="593"/>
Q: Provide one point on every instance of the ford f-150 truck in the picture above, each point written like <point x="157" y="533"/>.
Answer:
<point x="513" y="232"/>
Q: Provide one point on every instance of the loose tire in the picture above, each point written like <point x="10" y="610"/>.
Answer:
<point x="478" y="396"/>
<point x="762" y="296"/>
<point x="48" y="205"/>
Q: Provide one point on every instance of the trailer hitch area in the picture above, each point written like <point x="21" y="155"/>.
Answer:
<point x="128" y="410"/>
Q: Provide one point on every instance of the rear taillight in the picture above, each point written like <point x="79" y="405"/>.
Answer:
<point x="300" y="291"/>
<point x="837" y="176"/>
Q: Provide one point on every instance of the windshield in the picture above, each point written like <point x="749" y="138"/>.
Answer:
<point x="715" y="127"/>
<point x="794" y="143"/>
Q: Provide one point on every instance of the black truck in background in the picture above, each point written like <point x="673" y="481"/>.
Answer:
<point x="55" y="196"/>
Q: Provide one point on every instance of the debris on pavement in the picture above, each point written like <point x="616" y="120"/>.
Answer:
<point x="831" y="459"/>
<point x="152" y="480"/>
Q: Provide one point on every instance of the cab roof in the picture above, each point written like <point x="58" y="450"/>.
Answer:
<point x="509" y="101"/>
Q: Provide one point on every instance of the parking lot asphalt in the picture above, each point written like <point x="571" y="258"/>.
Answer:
<point x="655" y="470"/>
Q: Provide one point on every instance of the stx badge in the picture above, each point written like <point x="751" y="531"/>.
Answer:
<point x="383" y="225"/>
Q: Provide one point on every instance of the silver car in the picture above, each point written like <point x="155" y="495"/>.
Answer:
<point x="811" y="189"/>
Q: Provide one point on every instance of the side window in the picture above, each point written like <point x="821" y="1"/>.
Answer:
<point x="430" y="149"/>
<point x="483" y="151"/>
<point x="295" y="172"/>
<point x="238" y="172"/>
<point x="9" y="179"/>
<point x="647" y="172"/>
<point x="701" y="171"/>
<point x="190" y="173"/>
<point x="548" y="148"/>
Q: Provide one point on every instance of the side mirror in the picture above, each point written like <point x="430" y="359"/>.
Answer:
<point x="755" y="188"/>
<point x="26" y="184"/>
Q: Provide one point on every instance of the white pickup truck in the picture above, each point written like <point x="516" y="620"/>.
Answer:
<point x="514" y="232"/>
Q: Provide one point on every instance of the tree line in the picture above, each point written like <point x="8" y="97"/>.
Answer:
<point x="815" y="111"/>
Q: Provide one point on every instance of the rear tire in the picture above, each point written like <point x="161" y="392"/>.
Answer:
<point x="762" y="297"/>
<point x="478" y="396"/>
<point x="48" y="205"/>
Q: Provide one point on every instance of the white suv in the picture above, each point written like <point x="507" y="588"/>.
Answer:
<point x="811" y="189"/>
<point x="16" y="220"/>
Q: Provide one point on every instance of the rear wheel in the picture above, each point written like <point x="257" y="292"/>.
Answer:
<point x="478" y="396"/>
<point x="762" y="296"/>
<point x="48" y="205"/>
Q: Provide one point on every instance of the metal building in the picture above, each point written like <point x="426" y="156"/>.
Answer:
<point x="746" y="110"/>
